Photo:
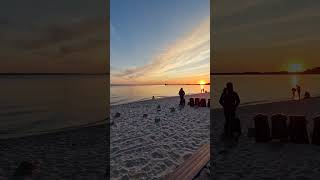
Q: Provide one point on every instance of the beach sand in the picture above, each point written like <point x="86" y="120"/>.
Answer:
<point x="144" y="149"/>
<point x="80" y="153"/>
<point x="272" y="160"/>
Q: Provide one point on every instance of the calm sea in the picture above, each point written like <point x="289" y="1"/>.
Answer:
<point x="130" y="93"/>
<point x="35" y="104"/>
<point x="254" y="89"/>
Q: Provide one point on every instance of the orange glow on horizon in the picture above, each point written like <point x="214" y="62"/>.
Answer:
<point x="202" y="82"/>
<point x="295" y="68"/>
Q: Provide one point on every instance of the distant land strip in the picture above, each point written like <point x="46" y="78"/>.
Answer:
<point x="315" y="70"/>
<point x="156" y="84"/>
<point x="266" y="73"/>
<point x="45" y="74"/>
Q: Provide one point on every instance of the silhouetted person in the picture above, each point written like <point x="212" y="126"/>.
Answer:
<point x="293" y="92"/>
<point x="229" y="100"/>
<point x="307" y="95"/>
<point x="25" y="171"/>
<point x="181" y="94"/>
<point x="298" y="91"/>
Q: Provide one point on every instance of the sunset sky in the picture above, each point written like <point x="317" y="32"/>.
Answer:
<point x="163" y="41"/>
<point x="265" y="35"/>
<point x="38" y="36"/>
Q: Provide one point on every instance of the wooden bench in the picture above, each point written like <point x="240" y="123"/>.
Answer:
<point x="190" y="168"/>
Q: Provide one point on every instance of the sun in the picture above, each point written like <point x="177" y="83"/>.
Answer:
<point x="295" y="68"/>
<point x="202" y="82"/>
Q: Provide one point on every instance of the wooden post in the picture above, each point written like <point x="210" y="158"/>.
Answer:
<point x="262" y="128"/>
<point x="279" y="128"/>
<point x="316" y="131"/>
<point x="298" y="130"/>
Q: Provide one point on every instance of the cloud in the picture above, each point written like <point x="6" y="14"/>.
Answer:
<point x="253" y="19"/>
<point x="73" y="47"/>
<point x="232" y="7"/>
<point x="183" y="57"/>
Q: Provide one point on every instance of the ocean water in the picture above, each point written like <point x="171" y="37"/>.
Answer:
<point x="36" y="104"/>
<point x="121" y="94"/>
<point x="255" y="89"/>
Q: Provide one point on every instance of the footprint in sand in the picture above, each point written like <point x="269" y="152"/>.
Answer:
<point x="186" y="156"/>
<point x="157" y="155"/>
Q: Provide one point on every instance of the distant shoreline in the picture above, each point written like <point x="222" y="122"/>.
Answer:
<point x="44" y="74"/>
<point x="315" y="70"/>
<point x="113" y="104"/>
<point x="158" y="84"/>
<point x="265" y="73"/>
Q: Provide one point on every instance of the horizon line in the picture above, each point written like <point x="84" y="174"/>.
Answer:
<point x="266" y="73"/>
<point x="165" y="84"/>
<point x="18" y="74"/>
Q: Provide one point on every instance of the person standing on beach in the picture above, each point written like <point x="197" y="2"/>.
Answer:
<point x="229" y="100"/>
<point x="298" y="91"/>
<point x="181" y="94"/>
<point x="293" y="93"/>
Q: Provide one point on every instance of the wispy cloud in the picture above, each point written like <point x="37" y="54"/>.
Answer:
<point x="253" y="19"/>
<point x="188" y="56"/>
<point x="66" y="47"/>
<point x="266" y="36"/>
<point x="232" y="7"/>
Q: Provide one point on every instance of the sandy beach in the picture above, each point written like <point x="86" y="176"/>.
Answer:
<point x="73" y="154"/>
<point x="142" y="148"/>
<point x="272" y="160"/>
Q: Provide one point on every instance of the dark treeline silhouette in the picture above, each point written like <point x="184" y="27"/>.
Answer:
<point x="315" y="70"/>
<point x="34" y="74"/>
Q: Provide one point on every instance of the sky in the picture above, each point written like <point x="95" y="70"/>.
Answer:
<point x="154" y="41"/>
<point x="265" y="35"/>
<point x="58" y="36"/>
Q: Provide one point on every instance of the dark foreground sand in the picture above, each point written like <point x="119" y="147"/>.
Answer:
<point x="274" y="160"/>
<point x="72" y="154"/>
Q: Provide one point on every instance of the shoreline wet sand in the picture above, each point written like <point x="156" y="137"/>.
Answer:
<point x="74" y="154"/>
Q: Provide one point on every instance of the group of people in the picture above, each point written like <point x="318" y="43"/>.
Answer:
<point x="298" y="90"/>
<point x="294" y="90"/>
<point x="230" y="100"/>
<point x="182" y="93"/>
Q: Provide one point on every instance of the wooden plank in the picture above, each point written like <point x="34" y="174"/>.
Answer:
<point x="192" y="166"/>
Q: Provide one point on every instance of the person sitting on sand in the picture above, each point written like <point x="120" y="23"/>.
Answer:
<point x="307" y="95"/>
<point x="229" y="100"/>
<point x="298" y="91"/>
<point x="293" y="92"/>
<point x="26" y="170"/>
<point x="181" y="94"/>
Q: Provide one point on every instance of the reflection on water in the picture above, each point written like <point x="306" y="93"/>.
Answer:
<point x="125" y="94"/>
<point x="202" y="88"/>
<point x="294" y="80"/>
<point x="265" y="88"/>
<point x="33" y="104"/>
